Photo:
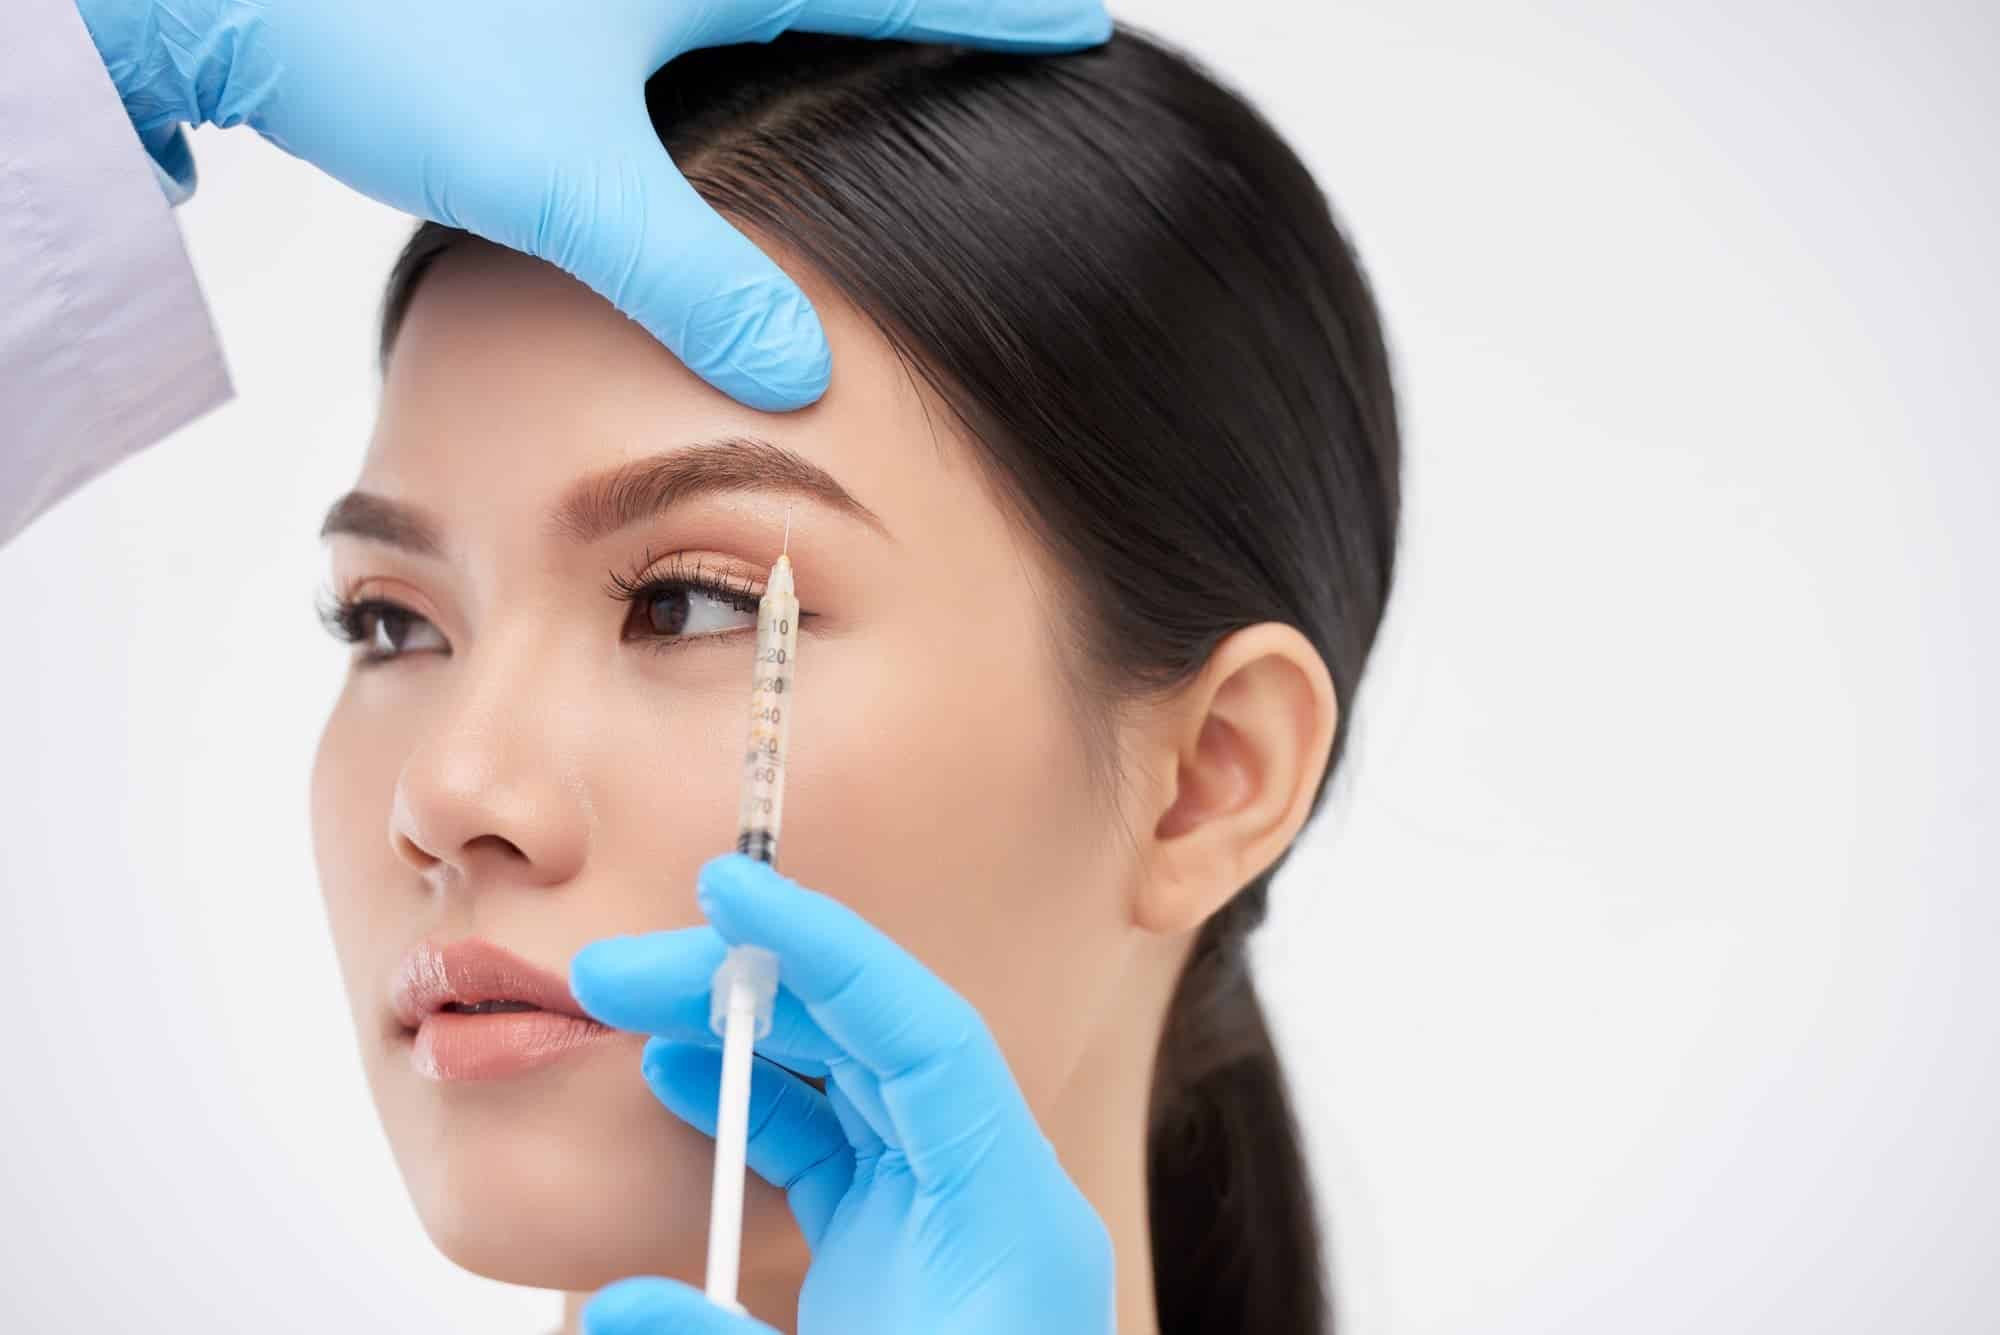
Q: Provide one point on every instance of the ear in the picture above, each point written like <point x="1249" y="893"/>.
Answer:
<point x="1247" y="743"/>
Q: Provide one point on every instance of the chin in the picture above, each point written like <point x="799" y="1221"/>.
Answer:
<point x="567" y="1178"/>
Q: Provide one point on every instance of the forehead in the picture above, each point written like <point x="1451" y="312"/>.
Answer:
<point x="508" y="380"/>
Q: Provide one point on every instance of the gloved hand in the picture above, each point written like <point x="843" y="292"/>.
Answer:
<point x="931" y="1200"/>
<point x="524" y="121"/>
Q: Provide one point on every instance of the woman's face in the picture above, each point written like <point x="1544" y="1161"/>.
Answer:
<point x="522" y="758"/>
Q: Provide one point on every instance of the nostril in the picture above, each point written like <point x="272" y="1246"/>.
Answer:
<point x="410" y="851"/>
<point x="496" y="844"/>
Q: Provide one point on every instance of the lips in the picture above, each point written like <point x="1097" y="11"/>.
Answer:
<point x="475" y="1011"/>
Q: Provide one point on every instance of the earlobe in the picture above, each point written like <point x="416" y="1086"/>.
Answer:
<point x="1250" y="738"/>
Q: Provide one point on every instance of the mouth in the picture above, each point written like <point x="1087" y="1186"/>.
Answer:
<point x="472" y="1010"/>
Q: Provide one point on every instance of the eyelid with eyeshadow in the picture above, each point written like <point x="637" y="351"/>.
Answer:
<point x="649" y="572"/>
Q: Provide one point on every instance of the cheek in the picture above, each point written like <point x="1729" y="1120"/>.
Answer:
<point x="353" y="784"/>
<point x="664" y="760"/>
<point x="946" y="797"/>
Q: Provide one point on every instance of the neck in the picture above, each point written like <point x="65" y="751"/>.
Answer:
<point x="1098" y="1127"/>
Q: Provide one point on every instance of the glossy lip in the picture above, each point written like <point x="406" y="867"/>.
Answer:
<point x="449" y="1045"/>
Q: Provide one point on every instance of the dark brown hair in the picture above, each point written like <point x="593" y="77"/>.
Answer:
<point x="1136" y="299"/>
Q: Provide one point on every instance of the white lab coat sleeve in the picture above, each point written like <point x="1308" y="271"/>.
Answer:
<point x="105" y="342"/>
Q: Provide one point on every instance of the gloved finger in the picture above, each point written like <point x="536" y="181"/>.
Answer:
<point x="659" y="983"/>
<point x="624" y="222"/>
<point x="1009" y="25"/>
<point x="864" y="1132"/>
<point x="794" y="1141"/>
<point x="1013" y="25"/>
<point x="942" y="1078"/>
<point x="653" y="1306"/>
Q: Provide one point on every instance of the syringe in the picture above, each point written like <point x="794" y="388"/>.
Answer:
<point x="746" y="983"/>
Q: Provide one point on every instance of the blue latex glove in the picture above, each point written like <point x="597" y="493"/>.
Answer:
<point x="524" y="121"/>
<point x="931" y="1200"/>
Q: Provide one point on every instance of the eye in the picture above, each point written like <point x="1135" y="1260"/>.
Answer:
<point x="384" y="629"/>
<point x="676" y="601"/>
<point x="683" y="609"/>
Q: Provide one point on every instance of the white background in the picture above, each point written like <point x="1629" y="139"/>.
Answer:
<point x="1642" y="977"/>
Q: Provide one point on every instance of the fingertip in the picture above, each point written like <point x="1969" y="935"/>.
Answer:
<point x="764" y="347"/>
<point x="620" y="1308"/>
<point x="730" y="874"/>
<point x="684" y="1077"/>
<point x="1090" y="25"/>
<point x="642" y="981"/>
<point x="651" y="1305"/>
<point x="590" y="969"/>
<point x="665" y="1058"/>
<point x="711" y="881"/>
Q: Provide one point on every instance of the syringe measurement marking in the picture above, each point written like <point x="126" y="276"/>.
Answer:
<point x="764" y="753"/>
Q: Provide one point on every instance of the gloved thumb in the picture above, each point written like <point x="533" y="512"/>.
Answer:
<point x="628" y="225"/>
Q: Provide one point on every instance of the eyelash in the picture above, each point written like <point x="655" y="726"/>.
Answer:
<point x="645" y="583"/>
<point x="347" y="618"/>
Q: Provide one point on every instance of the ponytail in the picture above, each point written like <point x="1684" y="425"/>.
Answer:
<point x="1235" y="1235"/>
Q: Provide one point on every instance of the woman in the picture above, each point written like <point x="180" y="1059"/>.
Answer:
<point x="1093" y="532"/>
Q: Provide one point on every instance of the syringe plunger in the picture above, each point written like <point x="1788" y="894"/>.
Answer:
<point x="748" y="975"/>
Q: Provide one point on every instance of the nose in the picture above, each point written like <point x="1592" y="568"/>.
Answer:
<point x="484" y="795"/>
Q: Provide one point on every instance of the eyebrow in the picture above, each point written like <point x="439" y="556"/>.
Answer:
<point x="601" y="504"/>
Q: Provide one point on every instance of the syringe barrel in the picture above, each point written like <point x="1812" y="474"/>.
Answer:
<point x="762" y="806"/>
